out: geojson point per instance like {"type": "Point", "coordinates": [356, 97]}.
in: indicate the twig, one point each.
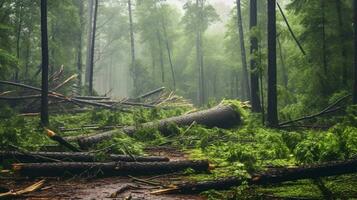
{"type": "Point", "coordinates": [145, 181]}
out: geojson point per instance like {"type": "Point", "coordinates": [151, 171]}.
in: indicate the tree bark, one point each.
{"type": "Point", "coordinates": [132, 48]}
{"type": "Point", "coordinates": [89, 40]}
{"type": "Point", "coordinates": [36, 157]}
{"type": "Point", "coordinates": [246, 87]}
{"type": "Point", "coordinates": [106, 169]}
{"type": "Point", "coordinates": [254, 71]}
{"type": "Point", "coordinates": [324, 49]}
{"type": "Point", "coordinates": [220, 116]}
{"type": "Point", "coordinates": [91, 70]}
{"type": "Point", "coordinates": [44, 48]}
{"type": "Point", "coordinates": [278, 176]}
{"type": "Point", "coordinates": [272, 118]}
{"type": "Point", "coordinates": [354, 90]}
{"type": "Point", "coordinates": [79, 48]}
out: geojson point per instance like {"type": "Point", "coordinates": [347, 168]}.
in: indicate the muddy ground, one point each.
{"type": "Point", "coordinates": [102, 188]}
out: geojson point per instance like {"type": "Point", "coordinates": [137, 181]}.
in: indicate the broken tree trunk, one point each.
{"type": "Point", "coordinates": [222, 116]}
{"type": "Point", "coordinates": [106, 169]}
{"type": "Point", "coordinates": [278, 176]}
{"type": "Point", "coordinates": [73, 157]}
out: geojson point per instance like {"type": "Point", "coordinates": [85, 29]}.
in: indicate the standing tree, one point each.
{"type": "Point", "coordinates": [89, 40]}
{"type": "Point", "coordinates": [44, 47]}
{"type": "Point", "coordinates": [242, 50]}
{"type": "Point", "coordinates": [254, 72]}
{"type": "Point", "coordinates": [199, 52]}
{"type": "Point", "coordinates": [355, 54]}
{"type": "Point", "coordinates": [272, 117]}
{"type": "Point", "coordinates": [94, 30]}
{"type": "Point", "coordinates": [79, 48]}
{"type": "Point", "coordinates": [132, 46]}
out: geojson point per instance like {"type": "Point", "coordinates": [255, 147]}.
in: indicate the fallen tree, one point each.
{"type": "Point", "coordinates": [222, 116]}
{"type": "Point", "coordinates": [73, 157]}
{"type": "Point", "coordinates": [106, 169]}
{"type": "Point", "coordinates": [272, 177]}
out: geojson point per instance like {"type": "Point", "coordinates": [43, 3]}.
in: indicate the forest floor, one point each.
{"type": "Point", "coordinates": [241, 151]}
{"type": "Point", "coordinates": [102, 188]}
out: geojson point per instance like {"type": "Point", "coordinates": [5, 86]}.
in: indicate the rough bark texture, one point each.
{"type": "Point", "coordinates": [355, 58]}
{"type": "Point", "coordinates": [246, 87]}
{"type": "Point", "coordinates": [254, 72]}
{"type": "Point", "coordinates": [272, 83]}
{"type": "Point", "coordinates": [278, 176]}
{"type": "Point", "coordinates": [73, 157]}
{"type": "Point", "coordinates": [44, 47]}
{"type": "Point", "coordinates": [106, 169]}
{"type": "Point", "coordinates": [220, 116]}
{"type": "Point", "coordinates": [91, 69]}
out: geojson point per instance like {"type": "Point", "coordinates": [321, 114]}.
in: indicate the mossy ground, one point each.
{"type": "Point", "coordinates": [239, 151]}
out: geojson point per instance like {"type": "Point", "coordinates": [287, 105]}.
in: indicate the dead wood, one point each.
{"type": "Point", "coordinates": [99, 169]}
{"type": "Point", "coordinates": [222, 116]}
{"type": "Point", "coordinates": [272, 177]}
{"type": "Point", "coordinates": [329, 109]}
{"type": "Point", "coordinates": [26, 157]}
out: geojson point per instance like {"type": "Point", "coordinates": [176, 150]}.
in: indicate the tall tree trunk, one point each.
{"type": "Point", "coordinates": [254, 72]}
{"type": "Point", "coordinates": [18, 39]}
{"type": "Point", "coordinates": [89, 40]}
{"type": "Point", "coordinates": [44, 47]}
{"type": "Point", "coordinates": [246, 87]}
{"type": "Point", "coordinates": [199, 52]}
{"type": "Point", "coordinates": [161, 56]}
{"type": "Point", "coordinates": [79, 48]}
{"type": "Point", "coordinates": [282, 61]}
{"type": "Point", "coordinates": [342, 43]}
{"type": "Point", "coordinates": [355, 54]}
{"type": "Point", "coordinates": [132, 46]}
{"type": "Point", "coordinates": [93, 48]}
{"type": "Point", "coordinates": [169, 55]}
{"type": "Point", "coordinates": [272, 119]}
{"type": "Point", "coordinates": [324, 52]}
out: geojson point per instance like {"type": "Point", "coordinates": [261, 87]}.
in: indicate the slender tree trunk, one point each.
{"type": "Point", "coordinates": [199, 52]}
{"type": "Point", "coordinates": [283, 69]}
{"type": "Point", "coordinates": [272, 83]}
{"type": "Point", "coordinates": [246, 87]}
{"type": "Point", "coordinates": [18, 39]}
{"type": "Point", "coordinates": [132, 45]}
{"type": "Point", "coordinates": [254, 74]}
{"type": "Point", "coordinates": [169, 55]}
{"type": "Point", "coordinates": [342, 43]}
{"type": "Point", "coordinates": [79, 48]}
{"type": "Point", "coordinates": [44, 47]}
{"type": "Point", "coordinates": [161, 56]}
{"type": "Point", "coordinates": [91, 71]}
{"type": "Point", "coordinates": [89, 40]}
{"type": "Point", "coordinates": [324, 56]}
{"type": "Point", "coordinates": [355, 54]}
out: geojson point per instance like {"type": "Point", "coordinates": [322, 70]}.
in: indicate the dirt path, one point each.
{"type": "Point", "coordinates": [102, 188]}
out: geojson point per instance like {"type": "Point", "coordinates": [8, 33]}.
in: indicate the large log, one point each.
{"type": "Point", "coordinates": [277, 176]}
{"type": "Point", "coordinates": [73, 157]}
{"type": "Point", "coordinates": [106, 169]}
{"type": "Point", "coordinates": [222, 116]}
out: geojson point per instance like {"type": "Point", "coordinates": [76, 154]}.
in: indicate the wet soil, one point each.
{"type": "Point", "coordinates": [102, 188]}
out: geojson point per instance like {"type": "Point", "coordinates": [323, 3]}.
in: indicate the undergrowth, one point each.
{"type": "Point", "coordinates": [241, 151]}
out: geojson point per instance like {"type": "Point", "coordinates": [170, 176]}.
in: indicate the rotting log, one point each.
{"type": "Point", "coordinates": [270, 177]}
{"type": "Point", "coordinates": [73, 157]}
{"type": "Point", "coordinates": [98, 169]}
{"type": "Point", "coordinates": [222, 116]}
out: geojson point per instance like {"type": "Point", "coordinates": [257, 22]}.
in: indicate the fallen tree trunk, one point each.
{"type": "Point", "coordinates": [222, 116]}
{"type": "Point", "coordinates": [278, 176]}
{"type": "Point", "coordinates": [106, 169]}
{"type": "Point", "coordinates": [92, 98]}
{"type": "Point", "coordinates": [73, 157]}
